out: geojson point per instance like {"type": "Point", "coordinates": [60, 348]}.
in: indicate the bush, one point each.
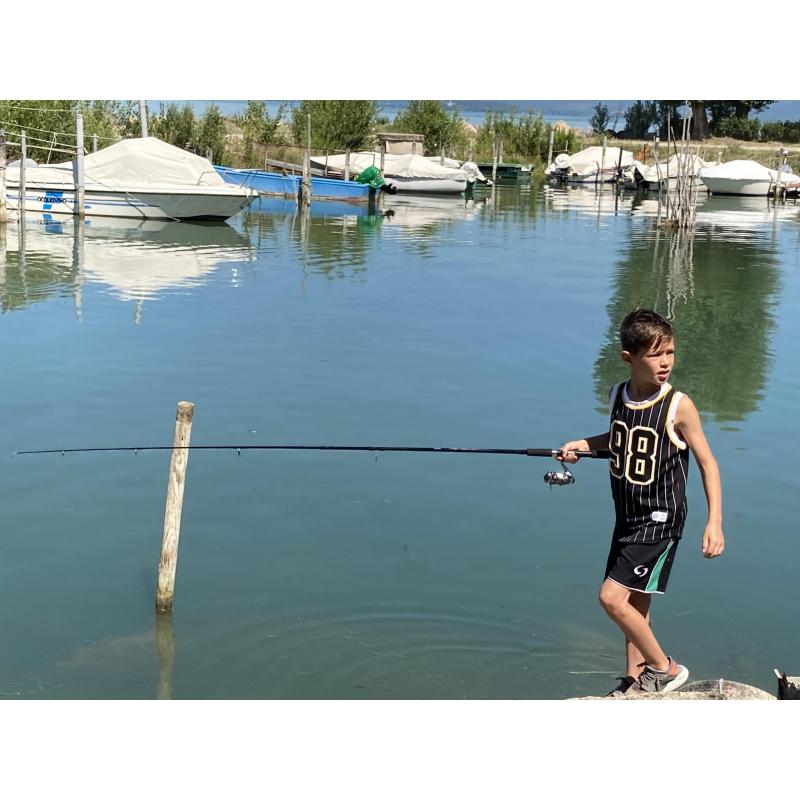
{"type": "Point", "coordinates": [786, 131]}
{"type": "Point", "coordinates": [743, 128]}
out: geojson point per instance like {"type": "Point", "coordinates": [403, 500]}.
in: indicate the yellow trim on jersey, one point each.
{"type": "Point", "coordinates": [639, 406]}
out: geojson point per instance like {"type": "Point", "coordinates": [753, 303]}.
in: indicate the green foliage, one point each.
{"type": "Point", "coordinates": [211, 134]}
{"type": "Point", "coordinates": [599, 120]}
{"type": "Point", "coordinates": [746, 129]}
{"type": "Point", "coordinates": [640, 117]}
{"type": "Point", "coordinates": [786, 131]}
{"type": "Point", "coordinates": [431, 119]}
{"type": "Point", "coordinates": [259, 128]}
{"type": "Point", "coordinates": [174, 125]}
{"type": "Point", "coordinates": [50, 125]}
{"type": "Point", "coordinates": [335, 124]}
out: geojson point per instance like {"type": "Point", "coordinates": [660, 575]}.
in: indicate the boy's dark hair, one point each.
{"type": "Point", "coordinates": [643, 329]}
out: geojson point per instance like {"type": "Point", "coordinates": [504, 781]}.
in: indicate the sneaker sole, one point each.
{"type": "Point", "coordinates": [678, 681]}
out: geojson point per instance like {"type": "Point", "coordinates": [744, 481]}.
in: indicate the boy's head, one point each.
{"type": "Point", "coordinates": [647, 345]}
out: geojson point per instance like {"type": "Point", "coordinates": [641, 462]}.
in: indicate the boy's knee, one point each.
{"type": "Point", "coordinates": [613, 598]}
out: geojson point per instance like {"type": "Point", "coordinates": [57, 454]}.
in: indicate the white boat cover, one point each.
{"type": "Point", "coordinates": [129, 163]}
{"type": "Point", "coordinates": [408, 166]}
{"type": "Point", "coordinates": [655, 173]}
{"type": "Point", "coordinates": [745, 170]}
{"type": "Point", "coordinates": [588, 161]}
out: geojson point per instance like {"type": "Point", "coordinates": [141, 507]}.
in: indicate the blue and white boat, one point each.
{"type": "Point", "coordinates": [274, 183]}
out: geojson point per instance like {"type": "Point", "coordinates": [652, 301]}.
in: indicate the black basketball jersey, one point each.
{"type": "Point", "coordinates": [648, 464]}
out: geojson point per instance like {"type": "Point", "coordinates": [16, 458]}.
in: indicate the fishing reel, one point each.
{"type": "Point", "coordinates": [565, 478]}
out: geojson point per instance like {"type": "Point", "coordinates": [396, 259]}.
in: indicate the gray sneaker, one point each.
{"type": "Point", "coordinates": [622, 687]}
{"type": "Point", "coordinates": [655, 681]}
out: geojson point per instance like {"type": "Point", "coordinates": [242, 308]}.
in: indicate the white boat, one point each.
{"type": "Point", "coordinates": [651, 178]}
{"type": "Point", "coordinates": [590, 165]}
{"type": "Point", "coordinates": [744, 177]}
{"type": "Point", "coordinates": [139, 178]}
{"type": "Point", "coordinates": [408, 174]}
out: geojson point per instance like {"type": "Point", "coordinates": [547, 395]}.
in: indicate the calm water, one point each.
{"type": "Point", "coordinates": [335, 575]}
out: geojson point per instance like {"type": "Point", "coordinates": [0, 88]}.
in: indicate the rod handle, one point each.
{"type": "Point", "coordinates": [533, 451]}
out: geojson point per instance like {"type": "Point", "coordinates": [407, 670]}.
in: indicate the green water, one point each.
{"type": "Point", "coordinates": [342, 575]}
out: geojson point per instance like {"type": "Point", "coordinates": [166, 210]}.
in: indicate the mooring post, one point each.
{"type": "Point", "coordinates": [22, 186]}
{"type": "Point", "coordinates": [94, 142]}
{"type": "Point", "coordinates": [603, 162]}
{"type": "Point", "coordinates": [172, 515]}
{"type": "Point", "coordinates": [80, 195]}
{"type": "Point", "coordinates": [143, 118]}
{"type": "Point", "coordinates": [305, 182]}
{"type": "Point", "coordinates": [3, 212]}
{"type": "Point", "coordinates": [494, 160]}
{"type": "Point", "coordinates": [165, 650]}
{"type": "Point", "coordinates": [383, 153]}
{"type": "Point", "coordinates": [441, 155]}
{"type": "Point", "coordinates": [778, 180]}
{"type": "Point", "coordinates": [347, 164]}
{"type": "Point", "coordinates": [550, 147]}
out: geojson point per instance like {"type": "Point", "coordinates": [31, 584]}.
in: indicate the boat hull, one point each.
{"type": "Point", "coordinates": [738, 186]}
{"type": "Point", "coordinates": [273, 183]}
{"type": "Point", "coordinates": [136, 203]}
{"type": "Point", "coordinates": [426, 185]}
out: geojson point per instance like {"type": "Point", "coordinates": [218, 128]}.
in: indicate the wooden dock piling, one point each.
{"type": "Point", "coordinates": [347, 164]}
{"type": "Point", "coordinates": [22, 185]}
{"type": "Point", "coordinates": [3, 211]}
{"type": "Point", "coordinates": [80, 193]}
{"type": "Point", "coordinates": [172, 515]}
{"type": "Point", "coordinates": [305, 181]}
{"type": "Point", "coordinates": [550, 147]}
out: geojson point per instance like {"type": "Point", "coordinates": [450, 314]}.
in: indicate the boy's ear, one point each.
{"type": "Point", "coordinates": [626, 356]}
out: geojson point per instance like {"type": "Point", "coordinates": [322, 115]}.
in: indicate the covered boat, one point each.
{"type": "Point", "coordinates": [590, 165]}
{"type": "Point", "coordinates": [744, 177]}
{"type": "Point", "coordinates": [139, 178]}
{"type": "Point", "coordinates": [651, 178]}
{"type": "Point", "coordinates": [407, 173]}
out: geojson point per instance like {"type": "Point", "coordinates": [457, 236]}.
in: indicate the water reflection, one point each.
{"type": "Point", "coordinates": [720, 290]}
{"type": "Point", "coordinates": [135, 260]}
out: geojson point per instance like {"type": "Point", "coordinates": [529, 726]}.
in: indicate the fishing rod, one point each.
{"type": "Point", "coordinates": [551, 478]}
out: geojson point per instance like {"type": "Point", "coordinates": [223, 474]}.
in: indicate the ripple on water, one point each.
{"type": "Point", "coordinates": [327, 651]}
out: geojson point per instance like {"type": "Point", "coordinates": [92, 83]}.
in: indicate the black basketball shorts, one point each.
{"type": "Point", "coordinates": [641, 567]}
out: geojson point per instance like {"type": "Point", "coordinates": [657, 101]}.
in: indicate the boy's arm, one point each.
{"type": "Point", "coordinates": [690, 429]}
{"type": "Point", "coordinates": [599, 442]}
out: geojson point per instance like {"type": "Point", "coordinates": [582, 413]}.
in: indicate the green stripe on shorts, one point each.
{"type": "Point", "coordinates": [652, 584]}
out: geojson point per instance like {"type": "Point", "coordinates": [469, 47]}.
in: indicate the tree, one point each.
{"type": "Point", "coordinates": [174, 125]}
{"type": "Point", "coordinates": [431, 119]}
{"type": "Point", "coordinates": [599, 121]}
{"type": "Point", "coordinates": [640, 117]}
{"type": "Point", "coordinates": [335, 124]}
{"type": "Point", "coordinates": [258, 127]}
{"type": "Point", "coordinates": [211, 134]}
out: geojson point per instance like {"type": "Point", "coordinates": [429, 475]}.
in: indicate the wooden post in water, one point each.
{"type": "Point", "coordinates": [94, 142]}
{"type": "Point", "coordinates": [165, 649]}
{"type": "Point", "coordinates": [143, 118]}
{"type": "Point", "coordinates": [383, 153]}
{"type": "Point", "coordinates": [3, 211]}
{"type": "Point", "coordinates": [347, 164]}
{"type": "Point", "coordinates": [778, 180]}
{"type": "Point", "coordinates": [80, 194]}
{"type": "Point", "coordinates": [494, 160]}
{"type": "Point", "coordinates": [550, 147]}
{"type": "Point", "coordinates": [22, 185]}
{"type": "Point", "coordinates": [603, 161]}
{"type": "Point", "coordinates": [305, 182]}
{"type": "Point", "coordinates": [172, 515]}
{"type": "Point", "coordinates": [441, 155]}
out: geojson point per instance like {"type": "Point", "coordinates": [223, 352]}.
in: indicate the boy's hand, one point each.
{"type": "Point", "coordinates": [570, 457]}
{"type": "Point", "coordinates": [713, 541]}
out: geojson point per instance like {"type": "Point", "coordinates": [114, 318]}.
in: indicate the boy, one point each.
{"type": "Point", "coordinates": [651, 427]}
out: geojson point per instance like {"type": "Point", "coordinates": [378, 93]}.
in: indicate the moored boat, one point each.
{"type": "Point", "coordinates": [591, 165]}
{"type": "Point", "coordinates": [744, 177]}
{"type": "Point", "coordinates": [138, 178]}
{"type": "Point", "coordinates": [274, 183]}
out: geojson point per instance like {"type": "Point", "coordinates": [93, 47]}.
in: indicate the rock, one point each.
{"type": "Point", "coordinates": [700, 690]}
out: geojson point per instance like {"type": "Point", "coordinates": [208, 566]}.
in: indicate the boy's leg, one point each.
{"type": "Point", "coordinates": [615, 600]}
{"type": "Point", "coordinates": [634, 659]}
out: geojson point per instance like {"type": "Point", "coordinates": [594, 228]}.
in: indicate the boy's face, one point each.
{"type": "Point", "coordinates": [653, 364]}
